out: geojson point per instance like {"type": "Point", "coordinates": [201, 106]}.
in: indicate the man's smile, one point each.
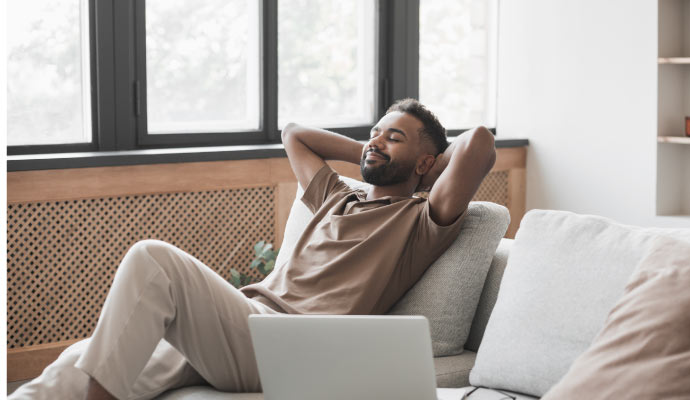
{"type": "Point", "coordinates": [374, 155]}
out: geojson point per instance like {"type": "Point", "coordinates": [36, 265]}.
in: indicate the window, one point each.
{"type": "Point", "coordinates": [101, 75]}
{"type": "Point", "coordinates": [48, 72]}
{"type": "Point", "coordinates": [326, 68]}
{"type": "Point", "coordinates": [457, 61]}
{"type": "Point", "coordinates": [202, 66]}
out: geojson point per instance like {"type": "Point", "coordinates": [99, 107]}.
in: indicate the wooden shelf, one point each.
{"type": "Point", "coordinates": [674, 60]}
{"type": "Point", "coordinates": [672, 107]}
{"type": "Point", "coordinates": [673, 139]}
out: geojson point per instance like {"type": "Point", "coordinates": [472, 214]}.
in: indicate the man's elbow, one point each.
{"type": "Point", "coordinates": [482, 141]}
{"type": "Point", "coordinates": [483, 135]}
{"type": "Point", "coordinates": [288, 129]}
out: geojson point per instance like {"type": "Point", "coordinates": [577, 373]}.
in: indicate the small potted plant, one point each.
{"type": "Point", "coordinates": [264, 261]}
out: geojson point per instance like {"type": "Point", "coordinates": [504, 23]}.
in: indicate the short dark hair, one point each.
{"type": "Point", "coordinates": [432, 128]}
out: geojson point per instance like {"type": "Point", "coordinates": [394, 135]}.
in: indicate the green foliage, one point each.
{"type": "Point", "coordinates": [264, 261]}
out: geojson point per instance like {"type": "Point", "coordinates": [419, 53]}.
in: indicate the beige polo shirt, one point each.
{"type": "Point", "coordinates": [356, 256]}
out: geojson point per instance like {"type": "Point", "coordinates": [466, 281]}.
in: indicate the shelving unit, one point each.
{"type": "Point", "coordinates": [674, 60]}
{"type": "Point", "coordinates": [673, 139]}
{"type": "Point", "coordinates": [673, 105]}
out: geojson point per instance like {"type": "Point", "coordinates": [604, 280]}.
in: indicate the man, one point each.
{"type": "Point", "coordinates": [360, 253]}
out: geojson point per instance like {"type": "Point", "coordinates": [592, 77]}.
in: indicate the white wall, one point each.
{"type": "Point", "coordinates": [578, 79]}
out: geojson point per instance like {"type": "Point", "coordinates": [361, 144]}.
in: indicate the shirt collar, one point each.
{"type": "Point", "coordinates": [362, 198]}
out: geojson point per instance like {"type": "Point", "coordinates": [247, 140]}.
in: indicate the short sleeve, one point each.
{"type": "Point", "coordinates": [430, 235]}
{"type": "Point", "coordinates": [324, 184]}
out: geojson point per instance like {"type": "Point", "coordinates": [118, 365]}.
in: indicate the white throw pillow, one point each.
{"type": "Point", "coordinates": [565, 272]}
{"type": "Point", "coordinates": [448, 292]}
{"type": "Point", "coordinates": [643, 352]}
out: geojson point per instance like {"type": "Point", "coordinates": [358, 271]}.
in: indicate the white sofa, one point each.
{"type": "Point", "coordinates": [563, 274]}
{"type": "Point", "coordinates": [523, 309]}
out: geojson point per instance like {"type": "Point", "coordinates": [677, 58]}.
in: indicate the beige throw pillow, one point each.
{"type": "Point", "coordinates": [643, 351]}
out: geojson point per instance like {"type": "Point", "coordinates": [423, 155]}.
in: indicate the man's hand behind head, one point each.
{"type": "Point", "coordinates": [430, 177]}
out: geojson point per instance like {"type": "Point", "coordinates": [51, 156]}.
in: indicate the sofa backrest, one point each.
{"type": "Point", "coordinates": [564, 274]}
{"type": "Point", "coordinates": [495, 274]}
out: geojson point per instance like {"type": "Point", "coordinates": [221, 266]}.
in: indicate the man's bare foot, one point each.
{"type": "Point", "coordinates": [96, 392]}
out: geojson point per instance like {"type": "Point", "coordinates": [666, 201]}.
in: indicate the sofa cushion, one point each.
{"type": "Point", "coordinates": [448, 292]}
{"type": "Point", "coordinates": [454, 371]}
{"type": "Point", "coordinates": [207, 393]}
{"type": "Point", "coordinates": [644, 349]}
{"type": "Point", "coordinates": [564, 274]}
{"type": "Point", "coordinates": [451, 372]}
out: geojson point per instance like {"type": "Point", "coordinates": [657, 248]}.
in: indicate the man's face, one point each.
{"type": "Point", "coordinates": [390, 156]}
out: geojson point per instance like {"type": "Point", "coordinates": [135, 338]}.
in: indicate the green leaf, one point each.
{"type": "Point", "coordinates": [255, 263]}
{"type": "Point", "coordinates": [235, 279]}
{"type": "Point", "coordinates": [269, 266]}
{"type": "Point", "coordinates": [258, 248]}
{"type": "Point", "coordinates": [268, 254]}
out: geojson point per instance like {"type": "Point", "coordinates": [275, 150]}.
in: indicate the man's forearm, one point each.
{"type": "Point", "coordinates": [328, 145]}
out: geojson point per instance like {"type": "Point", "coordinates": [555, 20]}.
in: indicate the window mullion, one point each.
{"type": "Point", "coordinates": [383, 51]}
{"type": "Point", "coordinates": [139, 80]}
{"type": "Point", "coordinates": [103, 70]}
{"type": "Point", "coordinates": [125, 72]}
{"type": "Point", "coordinates": [269, 43]}
{"type": "Point", "coordinates": [403, 50]}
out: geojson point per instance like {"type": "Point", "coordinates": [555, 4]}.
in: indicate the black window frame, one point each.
{"type": "Point", "coordinates": [118, 80]}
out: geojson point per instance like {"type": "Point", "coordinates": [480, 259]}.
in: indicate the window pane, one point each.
{"type": "Point", "coordinates": [326, 62]}
{"type": "Point", "coordinates": [48, 82]}
{"type": "Point", "coordinates": [457, 61]}
{"type": "Point", "coordinates": [202, 66]}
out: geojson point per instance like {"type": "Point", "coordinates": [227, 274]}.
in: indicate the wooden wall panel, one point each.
{"type": "Point", "coordinates": [27, 363]}
{"type": "Point", "coordinates": [511, 157]}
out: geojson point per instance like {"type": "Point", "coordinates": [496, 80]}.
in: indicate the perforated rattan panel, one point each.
{"type": "Point", "coordinates": [494, 188]}
{"type": "Point", "coordinates": [62, 255]}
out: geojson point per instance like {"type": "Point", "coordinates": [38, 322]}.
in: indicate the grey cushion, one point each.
{"type": "Point", "coordinates": [448, 292]}
{"type": "Point", "coordinates": [454, 371]}
{"type": "Point", "coordinates": [564, 274]}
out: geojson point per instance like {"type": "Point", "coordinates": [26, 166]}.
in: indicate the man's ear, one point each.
{"type": "Point", "coordinates": [424, 164]}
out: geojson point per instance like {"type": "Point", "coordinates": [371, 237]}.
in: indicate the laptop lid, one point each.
{"type": "Point", "coordinates": [317, 357]}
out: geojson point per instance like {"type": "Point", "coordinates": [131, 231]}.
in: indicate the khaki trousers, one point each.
{"type": "Point", "coordinates": [169, 321]}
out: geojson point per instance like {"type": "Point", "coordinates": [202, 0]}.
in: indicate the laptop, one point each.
{"type": "Point", "coordinates": [319, 357]}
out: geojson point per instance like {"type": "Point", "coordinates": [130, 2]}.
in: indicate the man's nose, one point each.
{"type": "Point", "coordinates": [376, 142]}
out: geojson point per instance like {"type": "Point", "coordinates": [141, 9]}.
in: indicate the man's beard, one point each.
{"type": "Point", "coordinates": [386, 174]}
